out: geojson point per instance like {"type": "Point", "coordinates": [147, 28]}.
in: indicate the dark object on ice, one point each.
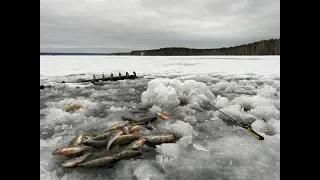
{"type": "Point", "coordinates": [119, 77]}
{"type": "Point", "coordinates": [49, 86]}
{"type": "Point", "coordinates": [132, 76]}
{"type": "Point", "coordinates": [244, 125]}
{"type": "Point", "coordinates": [144, 120]}
{"type": "Point", "coordinates": [103, 161]}
{"type": "Point", "coordinates": [111, 78]}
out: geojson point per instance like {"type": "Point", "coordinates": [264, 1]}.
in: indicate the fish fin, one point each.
{"type": "Point", "coordinates": [76, 164]}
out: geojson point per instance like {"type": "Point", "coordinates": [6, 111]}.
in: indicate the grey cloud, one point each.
{"type": "Point", "coordinates": [122, 25]}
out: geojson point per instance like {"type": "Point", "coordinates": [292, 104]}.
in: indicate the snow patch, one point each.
{"type": "Point", "coordinates": [171, 92]}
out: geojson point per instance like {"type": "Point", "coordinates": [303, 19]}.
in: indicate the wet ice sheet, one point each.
{"type": "Point", "coordinates": [208, 148]}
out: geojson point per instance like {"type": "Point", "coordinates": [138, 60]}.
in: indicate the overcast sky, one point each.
{"type": "Point", "coordinates": [126, 25]}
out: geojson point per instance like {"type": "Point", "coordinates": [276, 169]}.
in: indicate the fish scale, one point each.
{"type": "Point", "coordinates": [160, 139]}
{"type": "Point", "coordinates": [74, 162]}
{"type": "Point", "coordinates": [124, 139]}
{"type": "Point", "coordinates": [136, 144]}
{"type": "Point", "coordinates": [95, 143]}
{"type": "Point", "coordinates": [125, 130]}
{"type": "Point", "coordinates": [102, 136]}
{"type": "Point", "coordinates": [72, 150]}
{"type": "Point", "coordinates": [134, 128]}
{"type": "Point", "coordinates": [77, 140]}
{"type": "Point", "coordinates": [105, 161]}
{"type": "Point", "coordinates": [127, 154]}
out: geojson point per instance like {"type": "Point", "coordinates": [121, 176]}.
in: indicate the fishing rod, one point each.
{"type": "Point", "coordinates": [246, 126]}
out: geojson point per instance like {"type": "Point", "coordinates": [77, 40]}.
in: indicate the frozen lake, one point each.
{"type": "Point", "coordinates": [66, 65]}
{"type": "Point", "coordinates": [246, 88]}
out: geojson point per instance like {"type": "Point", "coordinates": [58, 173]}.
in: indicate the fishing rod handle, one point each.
{"type": "Point", "coordinates": [251, 131]}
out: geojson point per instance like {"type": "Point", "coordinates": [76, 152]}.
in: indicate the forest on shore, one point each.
{"type": "Point", "coordinates": [259, 48]}
{"type": "Point", "coordinates": [264, 47]}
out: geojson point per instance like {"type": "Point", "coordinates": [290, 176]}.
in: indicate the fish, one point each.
{"type": "Point", "coordinates": [111, 138]}
{"type": "Point", "coordinates": [138, 123]}
{"type": "Point", "coordinates": [140, 120]}
{"type": "Point", "coordinates": [80, 138]}
{"type": "Point", "coordinates": [117, 126]}
{"type": "Point", "coordinates": [104, 161]}
{"type": "Point", "coordinates": [72, 107]}
{"type": "Point", "coordinates": [125, 139]}
{"type": "Point", "coordinates": [74, 162]}
{"type": "Point", "coordinates": [77, 140]}
{"type": "Point", "coordinates": [137, 144]}
{"type": "Point", "coordinates": [125, 130]}
{"type": "Point", "coordinates": [134, 128]}
{"type": "Point", "coordinates": [128, 118]}
{"type": "Point", "coordinates": [162, 115]}
{"type": "Point", "coordinates": [159, 139]}
{"type": "Point", "coordinates": [72, 150]}
{"type": "Point", "coordinates": [89, 136]}
{"type": "Point", "coordinates": [95, 143]}
{"type": "Point", "coordinates": [102, 136]}
{"type": "Point", "coordinates": [146, 119]}
{"type": "Point", "coordinates": [127, 154]}
{"type": "Point", "coordinates": [116, 148]}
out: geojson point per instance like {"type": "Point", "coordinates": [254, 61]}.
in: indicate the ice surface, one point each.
{"type": "Point", "coordinates": [155, 108]}
{"type": "Point", "coordinates": [268, 92]}
{"type": "Point", "coordinates": [147, 171]}
{"type": "Point", "coordinates": [178, 128]}
{"type": "Point", "coordinates": [52, 65]}
{"type": "Point", "coordinates": [199, 147]}
{"type": "Point", "coordinates": [265, 112]}
{"type": "Point", "coordinates": [221, 102]}
{"type": "Point", "coordinates": [201, 78]}
{"type": "Point", "coordinates": [253, 102]}
{"type": "Point", "coordinates": [224, 86]}
{"type": "Point", "coordinates": [170, 93]}
{"type": "Point", "coordinates": [207, 145]}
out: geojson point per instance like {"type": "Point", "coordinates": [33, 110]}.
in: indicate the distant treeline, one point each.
{"type": "Point", "coordinates": [265, 47]}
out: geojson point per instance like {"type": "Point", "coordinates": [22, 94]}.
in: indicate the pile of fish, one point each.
{"type": "Point", "coordinates": [121, 141]}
